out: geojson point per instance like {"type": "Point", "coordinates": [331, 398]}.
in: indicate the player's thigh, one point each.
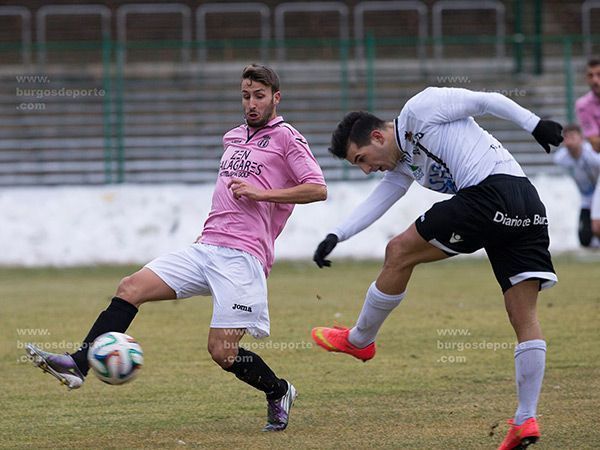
{"type": "Point", "coordinates": [524, 257]}
{"type": "Point", "coordinates": [410, 248]}
{"type": "Point", "coordinates": [517, 238]}
{"type": "Point", "coordinates": [183, 271]}
{"type": "Point", "coordinates": [453, 226]}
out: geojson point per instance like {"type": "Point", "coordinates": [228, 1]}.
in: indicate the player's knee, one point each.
{"type": "Point", "coordinates": [396, 253]}
{"type": "Point", "coordinates": [129, 291]}
{"type": "Point", "coordinates": [222, 354]}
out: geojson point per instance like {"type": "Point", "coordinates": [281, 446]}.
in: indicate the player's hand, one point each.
{"type": "Point", "coordinates": [548, 132]}
{"type": "Point", "coordinates": [241, 188]}
{"type": "Point", "coordinates": [324, 249]}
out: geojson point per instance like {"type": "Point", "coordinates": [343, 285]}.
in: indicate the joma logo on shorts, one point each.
{"type": "Point", "coordinates": [242, 307]}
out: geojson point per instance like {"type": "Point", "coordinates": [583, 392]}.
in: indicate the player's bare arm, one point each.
{"type": "Point", "coordinates": [303, 193]}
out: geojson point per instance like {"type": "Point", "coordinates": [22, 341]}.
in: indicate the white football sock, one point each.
{"type": "Point", "coordinates": [376, 308]}
{"type": "Point", "coordinates": [530, 360]}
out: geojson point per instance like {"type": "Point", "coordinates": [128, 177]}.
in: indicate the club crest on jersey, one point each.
{"type": "Point", "coordinates": [264, 141]}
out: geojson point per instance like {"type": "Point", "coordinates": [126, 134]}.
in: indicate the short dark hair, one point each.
{"type": "Point", "coordinates": [572, 127]}
{"type": "Point", "coordinates": [261, 74]}
{"type": "Point", "coordinates": [593, 62]}
{"type": "Point", "coordinates": [355, 127]}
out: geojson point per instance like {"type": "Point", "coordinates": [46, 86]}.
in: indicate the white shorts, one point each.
{"type": "Point", "coordinates": [234, 278]}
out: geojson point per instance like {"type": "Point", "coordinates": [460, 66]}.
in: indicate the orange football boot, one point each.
{"type": "Point", "coordinates": [521, 436]}
{"type": "Point", "coordinates": [336, 340]}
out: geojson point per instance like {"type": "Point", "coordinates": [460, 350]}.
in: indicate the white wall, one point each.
{"type": "Point", "coordinates": [66, 226]}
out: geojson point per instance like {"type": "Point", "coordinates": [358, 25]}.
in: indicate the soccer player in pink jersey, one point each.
{"type": "Point", "coordinates": [587, 107]}
{"type": "Point", "coordinates": [266, 168]}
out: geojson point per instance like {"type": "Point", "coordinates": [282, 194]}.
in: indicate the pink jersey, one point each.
{"type": "Point", "coordinates": [275, 156]}
{"type": "Point", "coordinates": [588, 114]}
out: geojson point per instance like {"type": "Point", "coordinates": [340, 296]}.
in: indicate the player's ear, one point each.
{"type": "Point", "coordinates": [276, 98]}
{"type": "Point", "coordinates": [377, 136]}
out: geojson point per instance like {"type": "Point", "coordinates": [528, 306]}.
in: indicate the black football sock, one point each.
{"type": "Point", "coordinates": [117, 317]}
{"type": "Point", "coordinates": [251, 369]}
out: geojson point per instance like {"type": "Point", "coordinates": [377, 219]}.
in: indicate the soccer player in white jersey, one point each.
{"type": "Point", "coordinates": [266, 168]}
{"type": "Point", "coordinates": [578, 157]}
{"type": "Point", "coordinates": [436, 142]}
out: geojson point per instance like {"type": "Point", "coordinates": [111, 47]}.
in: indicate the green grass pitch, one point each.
{"type": "Point", "coordinates": [443, 376]}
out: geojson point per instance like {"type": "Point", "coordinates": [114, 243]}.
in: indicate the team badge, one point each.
{"type": "Point", "coordinates": [264, 141]}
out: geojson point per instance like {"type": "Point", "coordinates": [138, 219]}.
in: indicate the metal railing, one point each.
{"type": "Point", "coordinates": [307, 7]}
{"type": "Point", "coordinates": [68, 10]}
{"type": "Point", "coordinates": [586, 24]}
{"type": "Point", "coordinates": [468, 5]}
{"type": "Point", "coordinates": [25, 15]}
{"type": "Point", "coordinates": [229, 8]}
{"type": "Point", "coordinates": [156, 8]}
{"type": "Point", "coordinates": [369, 6]}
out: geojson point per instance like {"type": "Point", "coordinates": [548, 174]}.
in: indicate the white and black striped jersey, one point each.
{"type": "Point", "coordinates": [443, 148]}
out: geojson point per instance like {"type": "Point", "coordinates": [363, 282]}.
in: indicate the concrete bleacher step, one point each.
{"type": "Point", "coordinates": [174, 118]}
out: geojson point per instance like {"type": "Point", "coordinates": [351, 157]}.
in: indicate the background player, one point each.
{"type": "Point", "coordinates": [436, 142]}
{"type": "Point", "coordinates": [587, 107]}
{"type": "Point", "coordinates": [583, 164]}
{"type": "Point", "coordinates": [266, 167]}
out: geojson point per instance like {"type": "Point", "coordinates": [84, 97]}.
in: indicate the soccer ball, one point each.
{"type": "Point", "coordinates": [115, 358]}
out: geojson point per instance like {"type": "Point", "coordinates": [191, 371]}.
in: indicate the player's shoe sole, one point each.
{"type": "Point", "coordinates": [66, 375]}
{"type": "Point", "coordinates": [336, 340]}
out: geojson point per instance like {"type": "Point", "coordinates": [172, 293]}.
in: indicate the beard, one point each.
{"type": "Point", "coordinates": [263, 119]}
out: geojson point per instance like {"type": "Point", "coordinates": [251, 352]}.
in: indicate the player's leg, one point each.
{"type": "Point", "coordinates": [247, 366]}
{"type": "Point", "coordinates": [523, 266]}
{"type": "Point", "coordinates": [132, 291]}
{"type": "Point", "coordinates": [446, 229]}
{"type": "Point", "coordinates": [402, 254]}
{"type": "Point", "coordinates": [585, 228]}
{"type": "Point", "coordinates": [238, 285]}
{"type": "Point", "coordinates": [530, 361]}
{"type": "Point", "coordinates": [159, 280]}
{"type": "Point", "coordinates": [71, 369]}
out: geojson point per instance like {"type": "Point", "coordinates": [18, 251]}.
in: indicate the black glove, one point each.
{"type": "Point", "coordinates": [324, 249]}
{"type": "Point", "coordinates": [548, 132]}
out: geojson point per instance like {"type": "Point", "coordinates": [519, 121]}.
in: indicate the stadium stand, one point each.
{"type": "Point", "coordinates": [161, 119]}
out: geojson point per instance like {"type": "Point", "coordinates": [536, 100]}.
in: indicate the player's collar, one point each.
{"type": "Point", "coordinates": [397, 135]}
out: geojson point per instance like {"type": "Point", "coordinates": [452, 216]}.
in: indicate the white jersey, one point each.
{"type": "Point", "coordinates": [442, 148]}
{"type": "Point", "coordinates": [584, 170]}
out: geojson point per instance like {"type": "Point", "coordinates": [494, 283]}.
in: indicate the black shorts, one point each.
{"type": "Point", "coordinates": [504, 215]}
